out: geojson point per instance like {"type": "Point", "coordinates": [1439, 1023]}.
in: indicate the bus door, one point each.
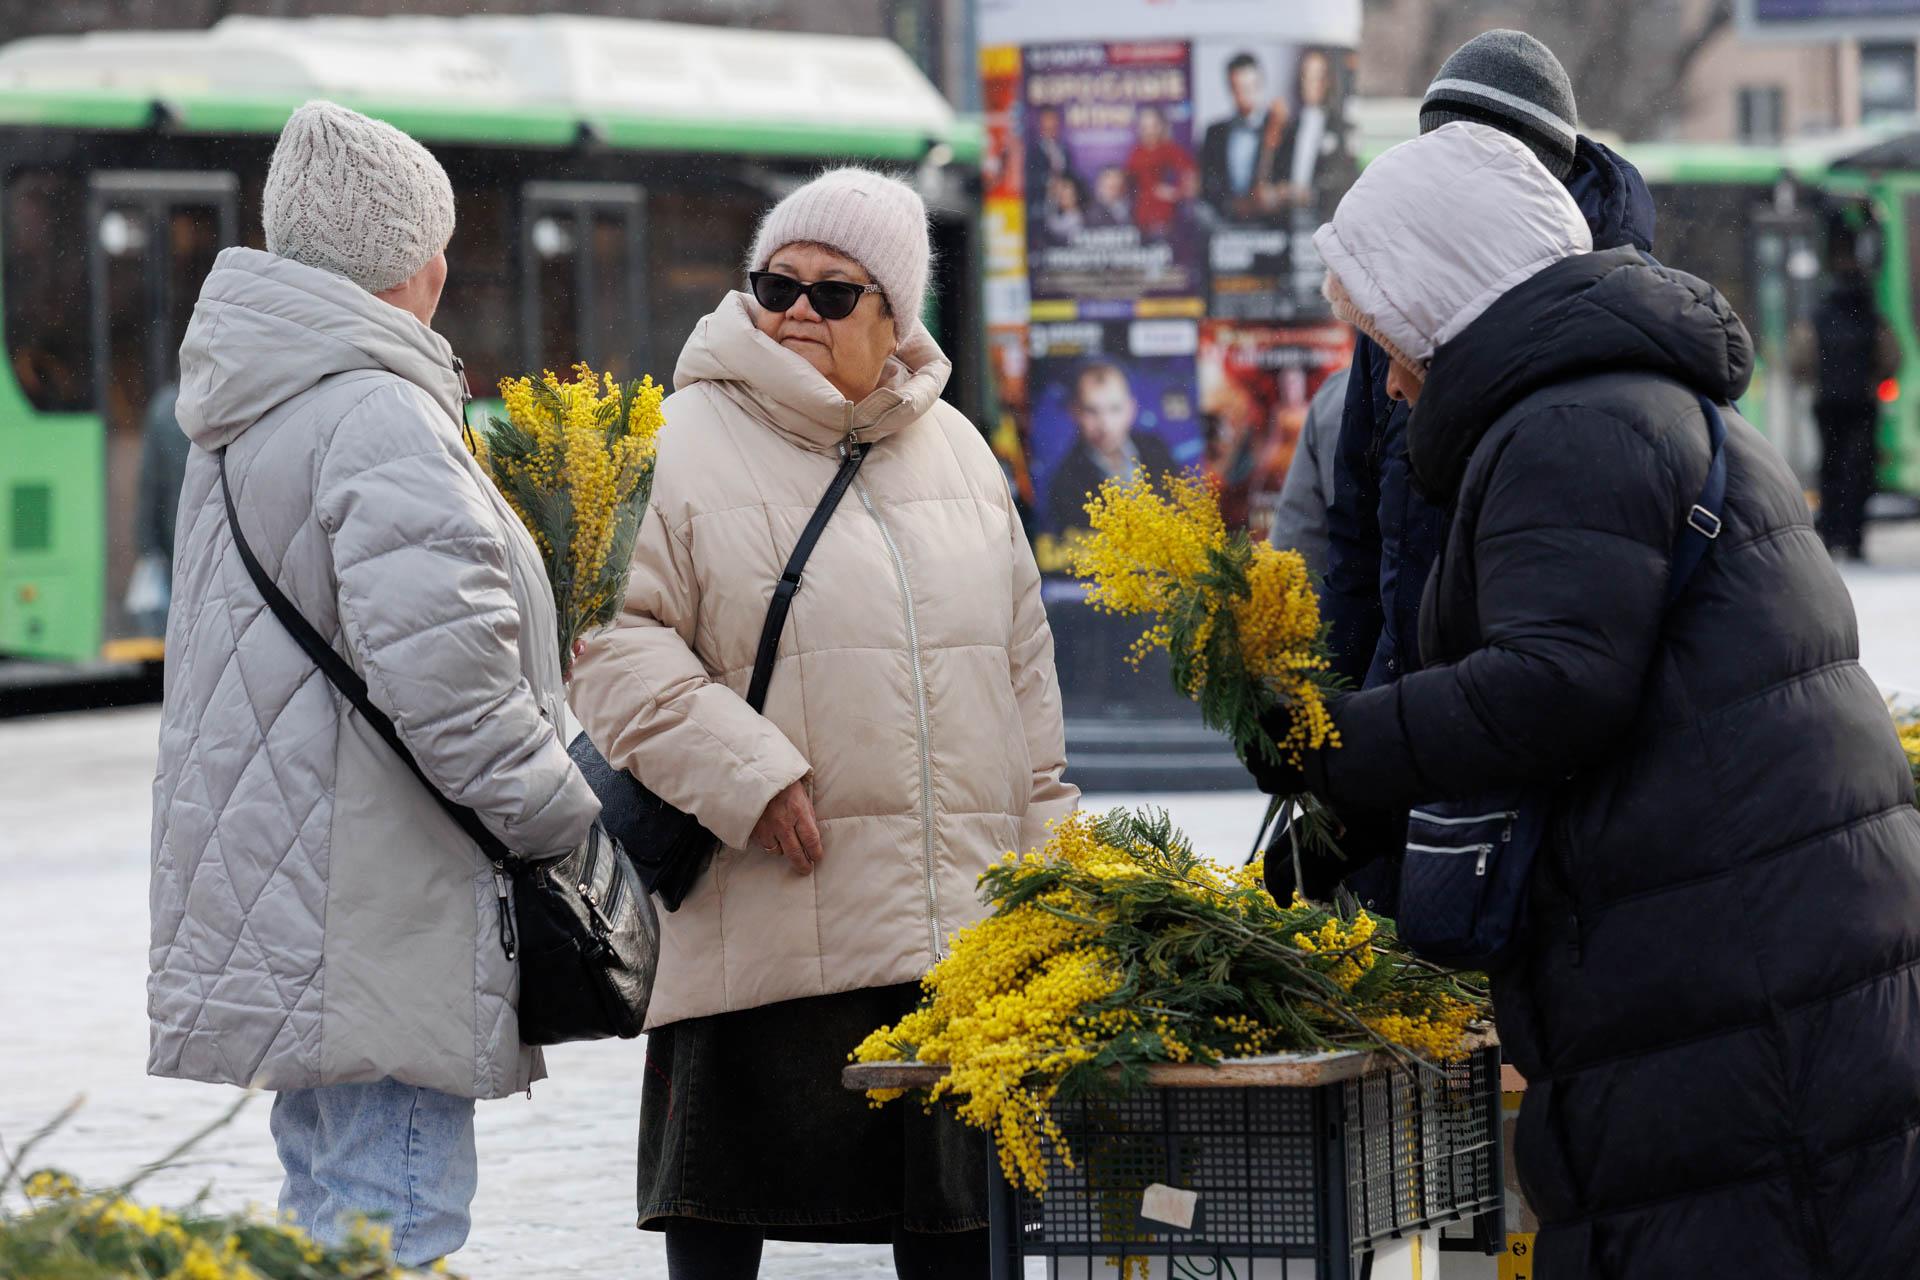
{"type": "Point", "coordinates": [1786, 273]}
{"type": "Point", "coordinates": [154, 238]}
{"type": "Point", "coordinates": [582, 254]}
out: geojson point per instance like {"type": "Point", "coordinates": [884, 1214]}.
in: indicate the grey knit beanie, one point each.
{"type": "Point", "coordinates": [879, 222]}
{"type": "Point", "coordinates": [1511, 81]}
{"type": "Point", "coordinates": [355, 196]}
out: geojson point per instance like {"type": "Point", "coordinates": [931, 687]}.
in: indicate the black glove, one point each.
{"type": "Point", "coordinates": [1287, 778]}
{"type": "Point", "coordinates": [1283, 779]}
{"type": "Point", "coordinates": [1362, 837]}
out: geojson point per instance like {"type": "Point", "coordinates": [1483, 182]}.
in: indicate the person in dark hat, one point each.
{"type": "Point", "coordinates": [1383, 532]}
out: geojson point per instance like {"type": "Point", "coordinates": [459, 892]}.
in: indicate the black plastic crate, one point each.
{"type": "Point", "coordinates": [1287, 1181]}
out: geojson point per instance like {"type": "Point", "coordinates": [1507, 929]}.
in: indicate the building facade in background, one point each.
{"type": "Point", "coordinates": [1677, 70]}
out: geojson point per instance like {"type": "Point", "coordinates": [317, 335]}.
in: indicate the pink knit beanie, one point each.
{"type": "Point", "coordinates": [879, 222]}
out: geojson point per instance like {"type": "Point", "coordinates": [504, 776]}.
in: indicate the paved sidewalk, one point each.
{"type": "Point", "coordinates": [556, 1187]}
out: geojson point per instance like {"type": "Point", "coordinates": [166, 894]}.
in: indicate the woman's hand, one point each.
{"type": "Point", "coordinates": [788, 829]}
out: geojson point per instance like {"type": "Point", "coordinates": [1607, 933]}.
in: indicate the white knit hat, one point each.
{"type": "Point", "coordinates": [355, 196]}
{"type": "Point", "coordinates": [879, 222]}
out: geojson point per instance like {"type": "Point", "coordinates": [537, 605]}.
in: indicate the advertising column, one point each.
{"type": "Point", "coordinates": [1157, 169]}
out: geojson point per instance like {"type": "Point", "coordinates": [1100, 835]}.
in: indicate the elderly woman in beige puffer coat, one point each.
{"type": "Point", "coordinates": [912, 734]}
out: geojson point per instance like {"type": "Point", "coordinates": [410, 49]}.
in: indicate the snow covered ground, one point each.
{"type": "Point", "coordinates": [557, 1172]}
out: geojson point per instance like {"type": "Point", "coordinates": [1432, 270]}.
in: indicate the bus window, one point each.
{"type": "Point", "coordinates": [612, 285]}
{"type": "Point", "coordinates": [1909, 226]}
{"type": "Point", "coordinates": [476, 309]}
{"type": "Point", "coordinates": [1702, 229]}
{"type": "Point", "coordinates": [699, 237]}
{"type": "Point", "coordinates": [154, 238]}
{"type": "Point", "coordinates": [556, 269]}
{"type": "Point", "coordinates": [584, 300]}
{"type": "Point", "coordinates": [45, 286]}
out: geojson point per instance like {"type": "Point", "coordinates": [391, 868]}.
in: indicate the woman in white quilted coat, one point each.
{"type": "Point", "coordinates": [320, 927]}
{"type": "Point", "coordinates": [912, 734]}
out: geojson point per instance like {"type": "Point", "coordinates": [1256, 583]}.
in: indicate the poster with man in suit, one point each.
{"type": "Point", "coordinates": [1274, 160]}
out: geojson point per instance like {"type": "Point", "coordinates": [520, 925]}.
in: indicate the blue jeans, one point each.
{"type": "Point", "coordinates": [399, 1156]}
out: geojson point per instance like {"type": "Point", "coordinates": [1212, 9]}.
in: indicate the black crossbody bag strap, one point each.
{"type": "Point", "coordinates": [1703, 522]}
{"type": "Point", "coordinates": [347, 680]}
{"type": "Point", "coordinates": [783, 591]}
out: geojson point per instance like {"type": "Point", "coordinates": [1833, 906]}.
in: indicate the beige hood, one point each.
{"type": "Point", "coordinates": [784, 392]}
{"type": "Point", "coordinates": [914, 689]}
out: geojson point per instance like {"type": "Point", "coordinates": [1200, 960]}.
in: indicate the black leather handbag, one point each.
{"type": "Point", "coordinates": [669, 847]}
{"type": "Point", "coordinates": [587, 940]}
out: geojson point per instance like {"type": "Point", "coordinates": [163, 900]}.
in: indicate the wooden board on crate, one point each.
{"type": "Point", "coordinates": [1285, 1070]}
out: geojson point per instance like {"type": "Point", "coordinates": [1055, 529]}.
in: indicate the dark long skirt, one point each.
{"type": "Point", "coordinates": [743, 1120]}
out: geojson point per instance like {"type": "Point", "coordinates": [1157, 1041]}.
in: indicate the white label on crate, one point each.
{"type": "Point", "coordinates": [1034, 1269]}
{"type": "Point", "coordinates": [1170, 1205]}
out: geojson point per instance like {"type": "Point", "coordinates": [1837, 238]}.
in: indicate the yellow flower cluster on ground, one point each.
{"type": "Point", "coordinates": [66, 1232]}
{"type": "Point", "coordinates": [574, 459]}
{"type": "Point", "coordinates": [1116, 946]}
{"type": "Point", "coordinates": [1240, 622]}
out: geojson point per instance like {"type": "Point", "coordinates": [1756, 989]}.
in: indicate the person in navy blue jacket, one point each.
{"type": "Point", "coordinates": [1383, 533]}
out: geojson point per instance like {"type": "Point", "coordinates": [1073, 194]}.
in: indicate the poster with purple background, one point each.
{"type": "Point", "coordinates": [1108, 398]}
{"type": "Point", "coordinates": [1112, 185]}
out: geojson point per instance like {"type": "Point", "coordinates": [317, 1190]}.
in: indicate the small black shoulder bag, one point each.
{"type": "Point", "coordinates": [668, 846]}
{"type": "Point", "coordinates": [587, 941]}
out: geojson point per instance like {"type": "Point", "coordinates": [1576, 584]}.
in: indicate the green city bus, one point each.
{"type": "Point", "coordinates": [1754, 220]}
{"type": "Point", "coordinates": [608, 177]}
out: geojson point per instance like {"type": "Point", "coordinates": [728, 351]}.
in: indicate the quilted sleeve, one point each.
{"type": "Point", "coordinates": [1036, 690]}
{"type": "Point", "coordinates": [647, 701]}
{"type": "Point", "coordinates": [1571, 558]}
{"type": "Point", "coordinates": [430, 621]}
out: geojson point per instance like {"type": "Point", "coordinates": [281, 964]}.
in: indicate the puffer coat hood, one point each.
{"type": "Point", "coordinates": [253, 303]}
{"type": "Point", "coordinates": [317, 919]}
{"type": "Point", "coordinates": [1382, 534]}
{"type": "Point", "coordinates": [914, 688]}
{"type": "Point", "coordinates": [1600, 312]}
{"type": "Point", "coordinates": [1612, 196]}
{"type": "Point", "coordinates": [1417, 280]}
{"type": "Point", "coordinates": [1717, 1002]}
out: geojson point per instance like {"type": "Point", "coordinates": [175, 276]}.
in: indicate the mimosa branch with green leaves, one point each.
{"type": "Point", "coordinates": [575, 460]}
{"type": "Point", "coordinates": [1239, 619]}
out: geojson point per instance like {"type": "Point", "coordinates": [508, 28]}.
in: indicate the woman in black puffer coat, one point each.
{"type": "Point", "coordinates": [1717, 1007]}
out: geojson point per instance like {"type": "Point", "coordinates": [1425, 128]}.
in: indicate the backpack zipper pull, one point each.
{"type": "Point", "coordinates": [1480, 866]}
{"type": "Point", "coordinates": [508, 943]}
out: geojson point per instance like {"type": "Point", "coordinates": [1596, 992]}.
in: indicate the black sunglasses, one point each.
{"type": "Point", "coordinates": [833, 299]}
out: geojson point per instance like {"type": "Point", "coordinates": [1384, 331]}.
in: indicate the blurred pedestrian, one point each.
{"type": "Point", "coordinates": [163, 467]}
{"type": "Point", "coordinates": [1853, 352]}
{"type": "Point", "coordinates": [1300, 522]}
{"type": "Point", "coordinates": [1383, 531]}
{"type": "Point", "coordinates": [912, 733]}
{"type": "Point", "coordinates": [320, 927]}
{"type": "Point", "coordinates": [1714, 1004]}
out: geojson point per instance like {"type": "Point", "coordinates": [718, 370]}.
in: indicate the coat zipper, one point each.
{"type": "Point", "coordinates": [503, 901]}
{"type": "Point", "coordinates": [1483, 852]}
{"type": "Point", "coordinates": [919, 699]}
{"type": "Point", "coordinates": [1439, 821]}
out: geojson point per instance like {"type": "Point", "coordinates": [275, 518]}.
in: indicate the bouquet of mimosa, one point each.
{"type": "Point", "coordinates": [574, 460]}
{"type": "Point", "coordinates": [1239, 619]}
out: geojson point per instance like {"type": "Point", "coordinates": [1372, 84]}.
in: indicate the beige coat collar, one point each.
{"type": "Point", "coordinates": [788, 395]}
